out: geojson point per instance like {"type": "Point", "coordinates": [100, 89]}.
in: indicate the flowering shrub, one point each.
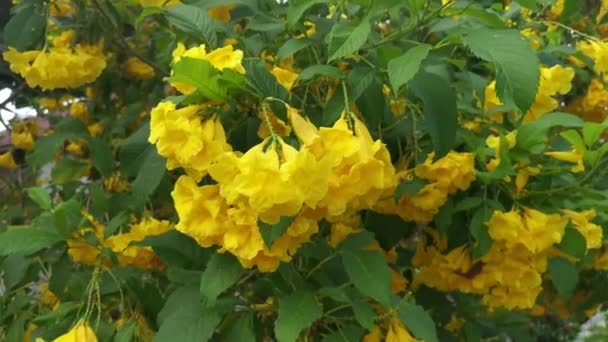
{"type": "Point", "coordinates": [304, 171]}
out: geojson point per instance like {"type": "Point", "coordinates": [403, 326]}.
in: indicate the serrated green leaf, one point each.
{"type": "Point", "coordinates": [40, 196]}
{"type": "Point", "coordinates": [518, 67]}
{"type": "Point", "coordinates": [409, 187]}
{"type": "Point", "coordinates": [573, 243]}
{"type": "Point", "coordinates": [403, 68]}
{"type": "Point", "coordinates": [271, 232]}
{"type": "Point", "coordinates": [564, 276]}
{"type": "Point", "coordinates": [25, 30]}
{"type": "Point", "coordinates": [364, 314]}
{"type": "Point", "coordinates": [223, 270]}
{"type": "Point", "coordinates": [439, 109]}
{"type": "Point", "coordinates": [369, 273]}
{"type": "Point", "coordinates": [320, 70]}
{"type": "Point", "coordinates": [353, 42]}
{"type": "Point", "coordinates": [101, 156]}
{"type": "Point", "coordinates": [296, 312]}
{"type": "Point", "coordinates": [27, 240]}
{"type": "Point", "coordinates": [201, 74]}
{"type": "Point", "coordinates": [193, 20]}
{"type": "Point", "coordinates": [292, 46]}
{"type": "Point", "coordinates": [241, 330]}
{"type": "Point", "coordinates": [419, 322]}
{"type": "Point", "coordinates": [297, 9]}
{"type": "Point", "coordinates": [150, 173]}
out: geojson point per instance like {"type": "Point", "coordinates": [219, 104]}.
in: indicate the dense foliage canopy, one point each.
{"type": "Point", "coordinates": [312, 170]}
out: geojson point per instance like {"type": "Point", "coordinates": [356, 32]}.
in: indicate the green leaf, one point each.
{"type": "Point", "coordinates": [67, 216]}
{"type": "Point", "coordinates": [409, 187]}
{"type": "Point", "coordinates": [323, 70]}
{"type": "Point", "coordinates": [403, 68]}
{"type": "Point", "coordinates": [115, 223]}
{"type": "Point", "coordinates": [101, 156]}
{"type": "Point", "coordinates": [296, 312]}
{"type": "Point", "coordinates": [68, 170]}
{"type": "Point", "coordinates": [573, 243]}
{"type": "Point", "coordinates": [419, 322]}
{"type": "Point", "coordinates": [44, 150]}
{"type": "Point", "coordinates": [479, 231]}
{"type": "Point", "coordinates": [265, 85]}
{"type": "Point", "coordinates": [184, 318]}
{"type": "Point", "coordinates": [126, 332]}
{"type": "Point", "coordinates": [292, 46]}
{"type": "Point", "coordinates": [40, 196]}
{"type": "Point", "coordinates": [271, 232]}
{"type": "Point", "coordinates": [223, 271]}
{"type": "Point", "coordinates": [193, 20]}
{"type": "Point", "coordinates": [563, 275]}
{"type": "Point", "coordinates": [27, 240]}
{"type": "Point", "coordinates": [61, 311]}
{"type": "Point", "coordinates": [531, 136]}
{"type": "Point", "coordinates": [14, 268]}
{"type": "Point", "coordinates": [340, 47]}
{"type": "Point", "coordinates": [201, 74]}
{"type": "Point", "coordinates": [369, 273]}
{"type": "Point", "coordinates": [132, 151]}
{"type": "Point", "coordinates": [468, 203]}
{"type": "Point", "coordinates": [364, 314]}
{"type": "Point", "coordinates": [25, 30]}
{"type": "Point", "coordinates": [517, 66]}
{"type": "Point", "coordinates": [592, 132]}
{"type": "Point", "coordinates": [297, 9]}
{"type": "Point", "coordinates": [574, 138]}
{"type": "Point", "coordinates": [357, 241]}
{"type": "Point", "coordinates": [439, 110]}
{"type": "Point", "coordinates": [241, 330]}
{"type": "Point", "coordinates": [150, 174]}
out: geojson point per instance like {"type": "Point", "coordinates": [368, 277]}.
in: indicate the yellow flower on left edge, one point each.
{"type": "Point", "coordinates": [61, 66]}
{"type": "Point", "coordinates": [7, 161]}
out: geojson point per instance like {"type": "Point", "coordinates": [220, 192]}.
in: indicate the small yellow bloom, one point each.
{"type": "Point", "coordinates": [23, 140]}
{"type": "Point", "coordinates": [311, 30]}
{"type": "Point", "coordinates": [591, 231]}
{"type": "Point", "coordinates": [285, 77]}
{"type": "Point", "coordinates": [573, 156]}
{"type": "Point", "coordinates": [7, 161]}
{"type": "Point", "coordinates": [220, 13]}
{"type": "Point", "coordinates": [138, 69]}
{"type": "Point", "coordinates": [80, 111]}
{"type": "Point", "coordinates": [82, 332]}
{"type": "Point", "coordinates": [95, 129]}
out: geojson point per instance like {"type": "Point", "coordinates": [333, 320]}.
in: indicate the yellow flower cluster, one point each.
{"type": "Point", "coordinates": [510, 274]}
{"type": "Point", "coordinates": [62, 66]}
{"type": "Point", "coordinates": [448, 175]}
{"type": "Point", "coordinates": [556, 80]}
{"type": "Point", "coordinates": [337, 170]}
{"type": "Point", "coordinates": [592, 105]}
{"type": "Point", "coordinates": [186, 138]}
{"type": "Point", "coordinates": [23, 134]}
{"type": "Point", "coordinates": [120, 244]}
{"type": "Point", "coordinates": [598, 51]}
{"type": "Point", "coordinates": [222, 58]}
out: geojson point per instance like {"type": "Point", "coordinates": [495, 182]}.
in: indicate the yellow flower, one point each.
{"type": "Point", "coordinates": [285, 77]}
{"type": "Point", "coordinates": [7, 161]}
{"type": "Point", "coordinates": [138, 69]}
{"type": "Point", "coordinates": [523, 174]}
{"type": "Point", "coordinates": [23, 140]}
{"type": "Point", "coordinates": [455, 171]}
{"type": "Point", "coordinates": [573, 156]}
{"type": "Point", "coordinates": [279, 126]}
{"type": "Point", "coordinates": [115, 183]}
{"type": "Point", "coordinates": [82, 332]}
{"type": "Point", "coordinates": [220, 13]}
{"type": "Point", "coordinates": [76, 147]}
{"type": "Point", "coordinates": [591, 231]}
{"type": "Point", "coordinates": [184, 140]}
{"type": "Point", "coordinates": [493, 142]}
{"type": "Point", "coordinates": [398, 333]}
{"type": "Point", "coordinates": [159, 3]}
{"type": "Point", "coordinates": [47, 297]}
{"type": "Point", "coordinates": [58, 67]}
{"type": "Point", "coordinates": [48, 103]}
{"type": "Point", "coordinates": [311, 30]}
{"type": "Point", "coordinates": [60, 8]}
{"type": "Point", "coordinates": [598, 51]}
{"type": "Point", "coordinates": [80, 111]}
{"type": "Point", "coordinates": [95, 129]}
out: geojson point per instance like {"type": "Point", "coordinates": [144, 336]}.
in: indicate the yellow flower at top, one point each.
{"type": "Point", "coordinates": [7, 161]}
{"type": "Point", "coordinates": [138, 69]}
{"type": "Point", "coordinates": [222, 58]}
{"type": "Point", "coordinates": [592, 232]}
{"type": "Point", "coordinates": [82, 332]}
{"type": "Point", "coordinates": [61, 66]}
{"type": "Point", "coordinates": [159, 3]}
{"type": "Point", "coordinates": [285, 77]}
{"type": "Point", "coordinates": [598, 51]}
{"type": "Point", "coordinates": [220, 13]}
